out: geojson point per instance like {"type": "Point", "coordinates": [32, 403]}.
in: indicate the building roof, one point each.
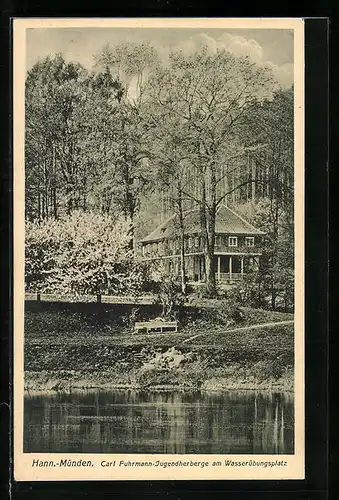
{"type": "Point", "coordinates": [227, 222]}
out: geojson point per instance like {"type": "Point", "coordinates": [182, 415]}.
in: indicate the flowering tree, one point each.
{"type": "Point", "coordinates": [83, 253]}
{"type": "Point", "coordinates": [40, 253]}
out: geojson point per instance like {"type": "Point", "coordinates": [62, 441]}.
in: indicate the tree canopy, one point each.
{"type": "Point", "coordinates": [193, 131]}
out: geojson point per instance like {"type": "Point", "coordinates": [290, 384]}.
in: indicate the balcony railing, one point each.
{"type": "Point", "coordinates": [243, 249]}
{"type": "Point", "coordinates": [229, 276]}
{"type": "Point", "coordinates": [193, 245]}
{"type": "Point", "coordinates": [222, 249]}
{"type": "Point", "coordinates": [222, 278]}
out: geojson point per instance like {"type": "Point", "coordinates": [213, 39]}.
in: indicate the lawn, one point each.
{"type": "Point", "coordinates": [95, 341]}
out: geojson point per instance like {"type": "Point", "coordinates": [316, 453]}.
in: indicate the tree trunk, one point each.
{"type": "Point", "coordinates": [273, 296]}
{"type": "Point", "coordinates": [183, 265]}
{"type": "Point", "coordinates": [99, 298]}
{"type": "Point", "coordinates": [209, 275]}
{"type": "Point", "coordinates": [207, 220]}
{"type": "Point", "coordinates": [248, 177]}
{"type": "Point", "coordinates": [259, 294]}
{"type": "Point", "coordinates": [55, 209]}
{"type": "Point", "coordinates": [39, 202]}
{"type": "Point", "coordinates": [54, 195]}
{"type": "Point", "coordinates": [131, 235]}
{"type": "Point", "coordinates": [182, 242]}
{"type": "Point", "coordinates": [253, 180]}
{"type": "Point", "coordinates": [130, 203]}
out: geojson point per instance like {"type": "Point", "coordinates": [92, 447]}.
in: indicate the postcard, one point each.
{"type": "Point", "coordinates": [158, 249]}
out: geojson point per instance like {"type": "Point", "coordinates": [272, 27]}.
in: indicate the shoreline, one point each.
{"type": "Point", "coordinates": [43, 382]}
{"type": "Point", "coordinates": [70, 349]}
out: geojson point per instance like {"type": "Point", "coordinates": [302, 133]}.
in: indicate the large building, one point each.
{"type": "Point", "coordinates": [237, 246]}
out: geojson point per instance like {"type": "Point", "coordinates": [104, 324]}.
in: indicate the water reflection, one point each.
{"type": "Point", "coordinates": [159, 422]}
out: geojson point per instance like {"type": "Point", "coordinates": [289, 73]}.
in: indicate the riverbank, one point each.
{"type": "Point", "coordinates": [70, 347]}
{"type": "Point", "coordinates": [36, 382]}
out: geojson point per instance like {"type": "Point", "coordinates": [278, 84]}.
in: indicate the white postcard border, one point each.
{"type": "Point", "coordinates": [277, 466]}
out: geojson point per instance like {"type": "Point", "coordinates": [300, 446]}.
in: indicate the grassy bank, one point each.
{"type": "Point", "coordinates": [81, 346]}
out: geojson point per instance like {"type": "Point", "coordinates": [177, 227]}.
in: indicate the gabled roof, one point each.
{"type": "Point", "coordinates": [227, 222]}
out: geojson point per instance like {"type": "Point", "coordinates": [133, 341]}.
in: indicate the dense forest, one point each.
{"type": "Point", "coordinates": [112, 152]}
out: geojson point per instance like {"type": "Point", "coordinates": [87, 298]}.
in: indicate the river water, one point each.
{"type": "Point", "coordinates": [159, 422]}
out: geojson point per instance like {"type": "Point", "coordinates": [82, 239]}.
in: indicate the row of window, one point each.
{"type": "Point", "coordinates": [232, 241]}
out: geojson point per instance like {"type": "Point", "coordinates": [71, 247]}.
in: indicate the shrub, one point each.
{"type": "Point", "coordinates": [168, 293]}
{"type": "Point", "coordinates": [230, 305]}
{"type": "Point", "coordinates": [203, 293]}
{"type": "Point", "coordinates": [153, 376]}
{"type": "Point", "coordinates": [269, 368]}
{"type": "Point", "coordinates": [130, 318]}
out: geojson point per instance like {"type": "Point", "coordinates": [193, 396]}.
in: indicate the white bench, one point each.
{"type": "Point", "coordinates": [156, 326]}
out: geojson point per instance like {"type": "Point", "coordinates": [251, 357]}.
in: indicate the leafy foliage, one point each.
{"type": "Point", "coordinates": [273, 285]}
{"type": "Point", "coordinates": [200, 104]}
{"type": "Point", "coordinates": [167, 291]}
{"type": "Point", "coordinates": [83, 142]}
{"type": "Point", "coordinates": [193, 132]}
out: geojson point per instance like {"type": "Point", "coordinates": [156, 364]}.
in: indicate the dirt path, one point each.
{"type": "Point", "coordinates": [251, 327]}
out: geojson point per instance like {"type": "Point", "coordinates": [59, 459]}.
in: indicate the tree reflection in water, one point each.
{"type": "Point", "coordinates": [159, 422]}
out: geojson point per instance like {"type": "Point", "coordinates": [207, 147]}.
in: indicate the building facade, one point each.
{"type": "Point", "coordinates": [237, 246]}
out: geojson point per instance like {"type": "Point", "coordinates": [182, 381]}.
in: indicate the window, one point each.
{"type": "Point", "coordinates": [232, 241]}
{"type": "Point", "coordinates": [217, 241]}
{"type": "Point", "coordinates": [249, 241]}
{"type": "Point", "coordinates": [196, 241]}
{"type": "Point", "coordinates": [190, 242]}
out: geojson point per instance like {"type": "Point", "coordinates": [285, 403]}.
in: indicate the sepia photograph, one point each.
{"type": "Point", "coordinates": [159, 230]}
